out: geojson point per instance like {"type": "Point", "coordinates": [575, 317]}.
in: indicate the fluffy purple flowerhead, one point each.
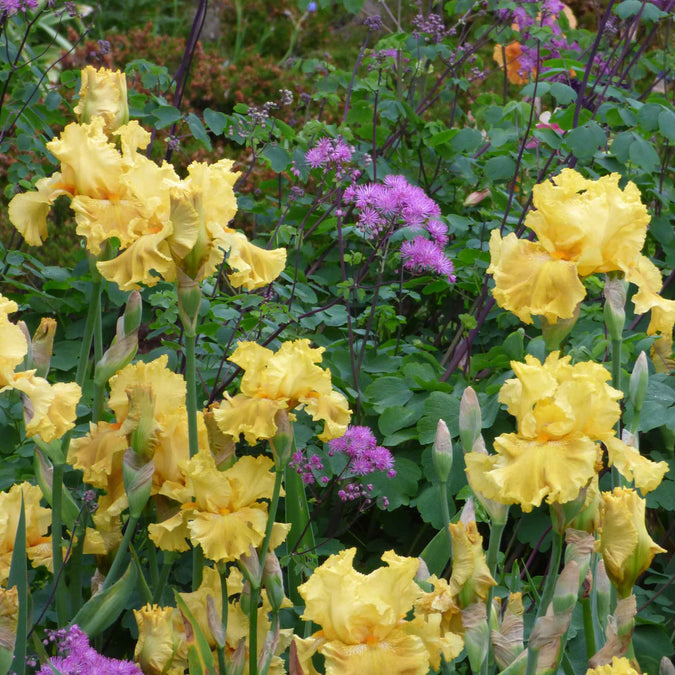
{"type": "Point", "coordinates": [422, 255]}
{"type": "Point", "coordinates": [76, 656]}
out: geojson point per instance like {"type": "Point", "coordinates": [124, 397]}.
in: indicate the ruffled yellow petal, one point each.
{"type": "Point", "coordinates": [254, 267]}
{"type": "Point", "coordinates": [133, 137]}
{"type": "Point", "coordinates": [591, 222]}
{"type": "Point", "coordinates": [38, 519]}
{"type": "Point", "coordinates": [528, 280]}
{"type": "Point", "coordinates": [334, 409]}
{"type": "Point", "coordinates": [90, 164]}
{"type": "Point", "coordinates": [171, 534]}
{"type": "Point", "coordinates": [436, 641]}
{"type": "Point", "coordinates": [252, 417]}
{"type": "Point", "coordinates": [213, 186]}
{"type": "Point", "coordinates": [647, 277]}
{"type": "Point", "coordinates": [358, 609]}
{"type": "Point", "coordinates": [147, 261]}
{"type": "Point", "coordinates": [28, 211]}
{"type": "Point", "coordinates": [50, 409]}
{"type": "Point", "coordinates": [168, 387]}
{"type": "Point", "coordinates": [95, 453]}
{"type": "Point", "coordinates": [400, 654]}
{"type": "Point", "coordinates": [525, 472]}
{"type": "Point", "coordinates": [292, 372]}
{"type": "Point", "coordinates": [646, 474]}
{"type": "Point", "coordinates": [226, 537]}
{"type": "Point", "coordinates": [273, 381]}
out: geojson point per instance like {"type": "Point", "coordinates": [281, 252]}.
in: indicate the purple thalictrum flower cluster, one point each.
{"type": "Point", "coordinates": [395, 204]}
{"type": "Point", "coordinates": [11, 6]}
{"type": "Point", "coordinates": [76, 656]}
{"type": "Point", "coordinates": [331, 154]}
{"type": "Point", "coordinates": [363, 457]}
{"type": "Point", "coordinates": [431, 26]}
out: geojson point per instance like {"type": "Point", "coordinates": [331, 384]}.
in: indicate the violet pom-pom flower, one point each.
{"type": "Point", "coordinates": [76, 656]}
{"type": "Point", "coordinates": [422, 255]}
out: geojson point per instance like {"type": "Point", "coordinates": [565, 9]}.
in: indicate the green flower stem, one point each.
{"type": "Point", "coordinates": [120, 557]}
{"type": "Point", "coordinates": [93, 312]}
{"type": "Point", "coordinates": [167, 564]}
{"type": "Point", "coordinates": [253, 632]}
{"type": "Point", "coordinates": [191, 398]}
{"type": "Point", "coordinates": [255, 584]}
{"type": "Point", "coordinates": [616, 383]}
{"type": "Point", "coordinates": [546, 595]}
{"type": "Point", "coordinates": [97, 405]}
{"type": "Point", "coordinates": [496, 532]}
{"type": "Point", "coordinates": [222, 569]}
{"type": "Point", "coordinates": [60, 589]}
{"type": "Point", "coordinates": [75, 566]}
{"type": "Point", "coordinates": [589, 625]}
{"type": "Point", "coordinates": [272, 514]}
{"type": "Point", "coordinates": [445, 511]}
{"type": "Point", "coordinates": [98, 335]}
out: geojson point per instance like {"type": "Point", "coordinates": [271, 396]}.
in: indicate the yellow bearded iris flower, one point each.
{"type": "Point", "coordinates": [49, 409]}
{"type": "Point", "coordinates": [363, 620]}
{"type": "Point", "coordinates": [625, 544]}
{"type": "Point", "coordinates": [162, 645]}
{"type": "Point", "coordinates": [563, 412]}
{"type": "Point", "coordinates": [285, 380]}
{"type": "Point", "coordinates": [221, 510]}
{"type": "Point", "coordinates": [38, 519]}
{"type": "Point", "coordinates": [99, 454]}
{"type": "Point", "coordinates": [163, 224]}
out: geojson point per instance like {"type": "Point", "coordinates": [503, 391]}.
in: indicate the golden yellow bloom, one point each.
{"type": "Point", "coordinates": [646, 475]}
{"type": "Point", "coordinates": [162, 223]}
{"type": "Point", "coordinates": [563, 411]}
{"type": "Point", "coordinates": [38, 519]}
{"type": "Point", "coordinates": [287, 379]}
{"type": "Point", "coordinates": [99, 454]}
{"type": "Point", "coordinates": [162, 644]}
{"type": "Point", "coordinates": [49, 410]}
{"type": "Point", "coordinates": [161, 648]}
{"type": "Point", "coordinates": [583, 227]}
{"type": "Point", "coordinates": [363, 620]}
{"type": "Point", "coordinates": [227, 514]}
{"type": "Point", "coordinates": [237, 620]}
{"type": "Point", "coordinates": [625, 544]}
{"type": "Point", "coordinates": [619, 666]}
{"type": "Point", "coordinates": [103, 92]}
